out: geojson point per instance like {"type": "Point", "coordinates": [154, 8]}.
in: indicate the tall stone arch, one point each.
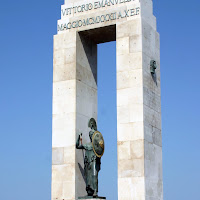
{"type": "Point", "coordinates": [82, 26]}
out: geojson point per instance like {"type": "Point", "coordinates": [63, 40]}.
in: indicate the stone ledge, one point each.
{"type": "Point", "coordinates": [91, 198]}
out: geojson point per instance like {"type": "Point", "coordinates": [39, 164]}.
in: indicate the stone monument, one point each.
{"type": "Point", "coordinates": [82, 26]}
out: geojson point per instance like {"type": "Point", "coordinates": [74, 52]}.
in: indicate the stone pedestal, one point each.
{"type": "Point", "coordinates": [91, 198]}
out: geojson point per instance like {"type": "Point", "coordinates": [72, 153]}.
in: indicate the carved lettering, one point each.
{"type": "Point", "coordinates": [96, 19]}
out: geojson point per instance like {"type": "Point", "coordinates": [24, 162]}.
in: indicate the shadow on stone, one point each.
{"type": "Point", "coordinates": [82, 172]}
{"type": "Point", "coordinates": [154, 77]}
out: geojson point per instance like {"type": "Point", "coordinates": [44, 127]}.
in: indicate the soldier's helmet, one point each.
{"type": "Point", "coordinates": [92, 124]}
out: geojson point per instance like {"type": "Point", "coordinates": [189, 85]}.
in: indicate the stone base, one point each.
{"type": "Point", "coordinates": [91, 198]}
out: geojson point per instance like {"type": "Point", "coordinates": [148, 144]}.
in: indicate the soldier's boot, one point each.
{"type": "Point", "coordinates": [95, 179]}
{"type": "Point", "coordinates": [95, 193]}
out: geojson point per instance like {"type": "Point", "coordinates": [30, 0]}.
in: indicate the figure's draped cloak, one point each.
{"type": "Point", "coordinates": [92, 166]}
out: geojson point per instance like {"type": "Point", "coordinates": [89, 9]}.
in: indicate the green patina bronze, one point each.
{"type": "Point", "coordinates": [92, 161]}
{"type": "Point", "coordinates": [153, 66]}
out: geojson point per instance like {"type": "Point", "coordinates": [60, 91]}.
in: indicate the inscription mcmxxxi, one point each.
{"type": "Point", "coordinates": [99, 19]}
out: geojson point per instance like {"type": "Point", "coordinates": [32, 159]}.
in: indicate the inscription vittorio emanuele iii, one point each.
{"type": "Point", "coordinates": [84, 8]}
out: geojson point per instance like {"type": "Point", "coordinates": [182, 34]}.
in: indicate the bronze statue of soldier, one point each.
{"type": "Point", "coordinates": [92, 161]}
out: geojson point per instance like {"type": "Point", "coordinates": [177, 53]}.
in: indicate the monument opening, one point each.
{"type": "Point", "coordinates": [97, 53]}
{"type": "Point", "coordinates": [107, 117]}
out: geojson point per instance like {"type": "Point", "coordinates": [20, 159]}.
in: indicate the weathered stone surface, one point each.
{"type": "Point", "coordinates": [136, 43]}
{"type": "Point", "coordinates": [127, 191]}
{"type": "Point", "coordinates": [131, 168]}
{"type": "Point", "coordinates": [63, 129]}
{"type": "Point", "coordinates": [65, 41]}
{"type": "Point", "coordinates": [127, 96]}
{"type": "Point", "coordinates": [64, 72]}
{"type": "Point", "coordinates": [129, 62]}
{"type": "Point", "coordinates": [68, 190]}
{"type": "Point", "coordinates": [69, 154]}
{"type": "Point", "coordinates": [64, 97]}
{"type": "Point", "coordinates": [123, 46]}
{"type": "Point", "coordinates": [57, 156]}
{"type": "Point", "coordinates": [63, 173]}
{"type": "Point", "coordinates": [56, 190]}
{"type": "Point", "coordinates": [133, 27]}
{"type": "Point", "coordinates": [130, 131]}
{"type": "Point", "coordinates": [129, 79]}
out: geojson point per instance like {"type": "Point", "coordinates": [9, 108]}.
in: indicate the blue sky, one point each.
{"type": "Point", "coordinates": [26, 50]}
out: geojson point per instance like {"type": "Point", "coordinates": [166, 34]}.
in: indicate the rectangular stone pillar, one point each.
{"type": "Point", "coordinates": [86, 100]}
{"type": "Point", "coordinates": [152, 105]}
{"type": "Point", "coordinates": [139, 108]}
{"type": "Point", "coordinates": [74, 103]}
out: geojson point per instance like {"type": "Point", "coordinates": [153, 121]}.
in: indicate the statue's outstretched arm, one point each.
{"type": "Point", "coordinates": [78, 146]}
